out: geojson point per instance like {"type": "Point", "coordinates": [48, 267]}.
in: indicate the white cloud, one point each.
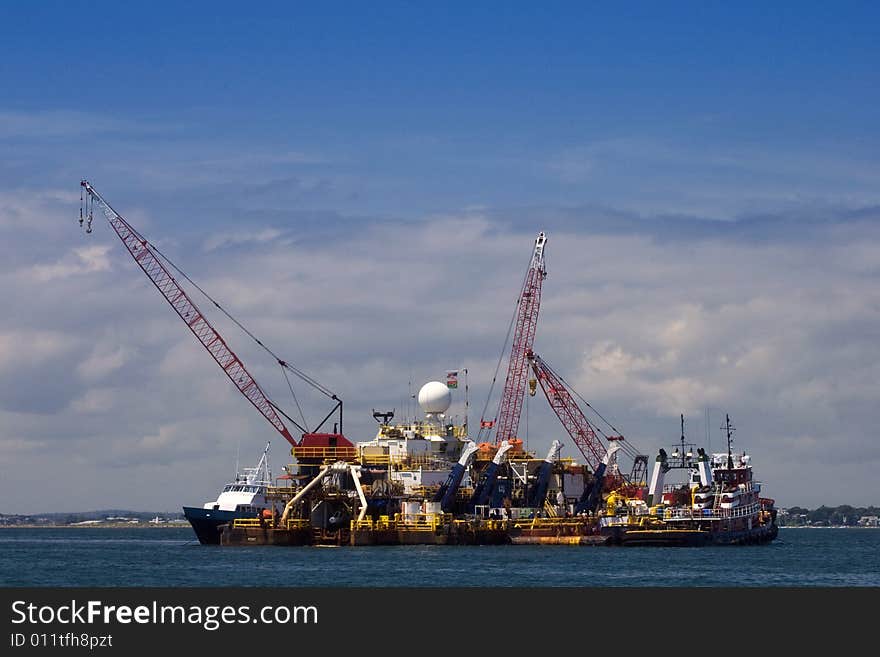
{"type": "Point", "coordinates": [82, 260]}
{"type": "Point", "coordinates": [644, 329]}
{"type": "Point", "coordinates": [46, 124]}
{"type": "Point", "coordinates": [22, 349]}
{"type": "Point", "coordinates": [221, 240]}
{"type": "Point", "coordinates": [103, 360]}
{"type": "Point", "coordinates": [95, 400]}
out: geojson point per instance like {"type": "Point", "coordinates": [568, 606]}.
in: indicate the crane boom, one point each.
{"type": "Point", "coordinates": [569, 413]}
{"type": "Point", "coordinates": [210, 339]}
{"type": "Point", "coordinates": [529, 304]}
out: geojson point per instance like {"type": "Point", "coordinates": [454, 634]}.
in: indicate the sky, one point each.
{"type": "Point", "coordinates": [361, 186]}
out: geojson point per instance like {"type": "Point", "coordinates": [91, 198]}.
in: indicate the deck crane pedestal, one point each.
{"type": "Point", "coordinates": [448, 490]}
{"type": "Point", "coordinates": [545, 470]}
{"type": "Point", "coordinates": [484, 489]}
{"type": "Point", "coordinates": [591, 496]}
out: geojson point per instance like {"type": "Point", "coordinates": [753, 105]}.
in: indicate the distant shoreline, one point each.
{"type": "Point", "coordinates": [826, 527]}
{"type": "Point", "coordinates": [102, 525]}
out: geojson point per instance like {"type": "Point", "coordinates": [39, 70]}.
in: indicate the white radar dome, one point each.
{"type": "Point", "coordinates": [434, 397]}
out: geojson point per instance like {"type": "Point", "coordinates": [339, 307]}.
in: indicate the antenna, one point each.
{"type": "Point", "coordinates": [409, 397]}
{"type": "Point", "coordinates": [266, 462]}
{"type": "Point", "coordinates": [383, 417]}
{"type": "Point", "coordinates": [683, 451]}
{"type": "Point", "coordinates": [729, 429]}
{"type": "Point", "coordinates": [237, 455]}
{"type": "Point", "coordinates": [708, 434]}
{"type": "Point", "coordinates": [466, 404]}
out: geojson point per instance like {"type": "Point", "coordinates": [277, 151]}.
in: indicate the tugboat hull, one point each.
{"type": "Point", "coordinates": [690, 537]}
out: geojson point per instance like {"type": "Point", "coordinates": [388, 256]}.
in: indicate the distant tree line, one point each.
{"type": "Point", "coordinates": [843, 515]}
{"type": "Point", "coordinates": [74, 517]}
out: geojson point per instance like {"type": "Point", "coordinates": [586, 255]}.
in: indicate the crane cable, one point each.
{"type": "Point", "coordinates": [89, 205]}
{"type": "Point", "coordinates": [284, 364]}
{"type": "Point", "coordinates": [628, 448]}
{"type": "Point", "coordinates": [293, 394]}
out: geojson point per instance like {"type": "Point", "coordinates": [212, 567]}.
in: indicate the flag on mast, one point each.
{"type": "Point", "coordinates": [452, 379]}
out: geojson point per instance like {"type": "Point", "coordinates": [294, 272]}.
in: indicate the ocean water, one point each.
{"type": "Point", "coordinates": [170, 557]}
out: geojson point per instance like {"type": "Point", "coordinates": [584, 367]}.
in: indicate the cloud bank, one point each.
{"type": "Point", "coordinates": [110, 401]}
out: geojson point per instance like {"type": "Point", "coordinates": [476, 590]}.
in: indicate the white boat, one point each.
{"type": "Point", "coordinates": [244, 497]}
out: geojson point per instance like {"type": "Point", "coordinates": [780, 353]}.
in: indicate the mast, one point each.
{"type": "Point", "coordinates": [729, 429]}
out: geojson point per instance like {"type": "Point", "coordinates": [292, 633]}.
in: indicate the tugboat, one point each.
{"type": "Point", "coordinates": [719, 504]}
{"type": "Point", "coordinates": [244, 497]}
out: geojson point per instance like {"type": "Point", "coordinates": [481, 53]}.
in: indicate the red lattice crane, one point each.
{"type": "Point", "coordinates": [526, 319]}
{"type": "Point", "coordinates": [150, 262]}
{"type": "Point", "coordinates": [569, 413]}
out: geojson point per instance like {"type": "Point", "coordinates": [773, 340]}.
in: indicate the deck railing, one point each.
{"type": "Point", "coordinates": [715, 514]}
{"type": "Point", "coordinates": [326, 453]}
{"type": "Point", "coordinates": [255, 523]}
{"type": "Point", "coordinates": [404, 522]}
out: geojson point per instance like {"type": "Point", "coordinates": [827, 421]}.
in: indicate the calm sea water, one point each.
{"type": "Point", "coordinates": [168, 557]}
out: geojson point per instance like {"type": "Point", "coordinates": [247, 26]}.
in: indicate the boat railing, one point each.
{"type": "Point", "coordinates": [326, 453]}
{"type": "Point", "coordinates": [406, 461]}
{"type": "Point", "coordinates": [375, 459]}
{"type": "Point", "coordinates": [493, 525]}
{"type": "Point", "coordinates": [244, 523]}
{"type": "Point", "coordinates": [255, 523]}
{"type": "Point", "coordinates": [551, 522]}
{"type": "Point", "coordinates": [281, 491]}
{"type": "Point", "coordinates": [297, 523]}
{"type": "Point", "coordinates": [715, 514]}
{"type": "Point", "coordinates": [403, 522]}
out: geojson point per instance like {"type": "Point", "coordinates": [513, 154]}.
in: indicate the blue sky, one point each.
{"type": "Point", "coordinates": [707, 174]}
{"type": "Point", "coordinates": [395, 103]}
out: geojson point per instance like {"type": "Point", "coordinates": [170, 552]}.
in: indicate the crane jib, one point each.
{"type": "Point", "coordinates": [517, 370]}
{"type": "Point", "coordinates": [569, 413]}
{"type": "Point", "coordinates": [187, 310]}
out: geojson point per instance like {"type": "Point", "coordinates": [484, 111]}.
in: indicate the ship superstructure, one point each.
{"type": "Point", "coordinates": [719, 502]}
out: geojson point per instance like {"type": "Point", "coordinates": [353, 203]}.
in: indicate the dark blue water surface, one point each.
{"type": "Point", "coordinates": [168, 557]}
